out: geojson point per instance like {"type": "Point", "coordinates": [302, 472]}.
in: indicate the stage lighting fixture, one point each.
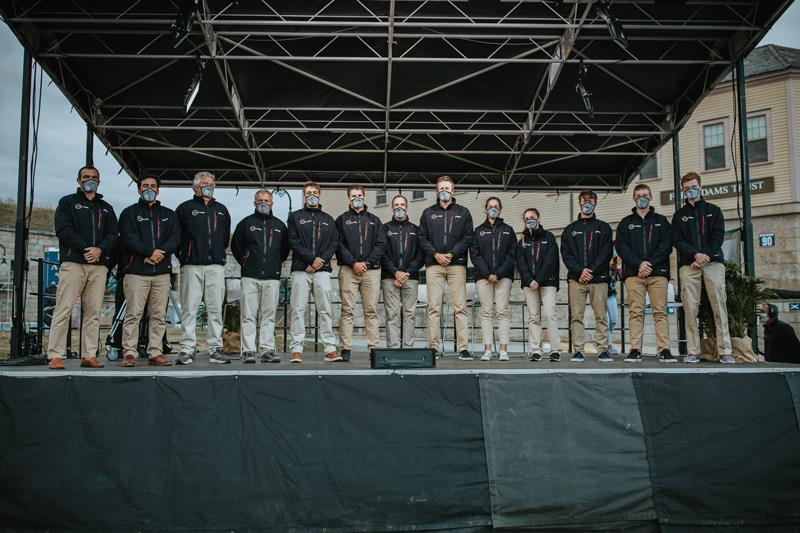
{"type": "Point", "coordinates": [615, 28]}
{"type": "Point", "coordinates": [184, 21]}
{"type": "Point", "coordinates": [583, 92]}
{"type": "Point", "coordinates": [194, 88]}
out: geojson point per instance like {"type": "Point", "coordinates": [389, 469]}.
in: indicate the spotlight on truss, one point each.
{"type": "Point", "coordinates": [194, 87]}
{"type": "Point", "coordinates": [615, 28]}
{"type": "Point", "coordinates": [582, 91]}
{"type": "Point", "coordinates": [184, 21]}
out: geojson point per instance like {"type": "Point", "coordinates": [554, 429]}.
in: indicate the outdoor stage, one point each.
{"type": "Point", "coordinates": [340, 447]}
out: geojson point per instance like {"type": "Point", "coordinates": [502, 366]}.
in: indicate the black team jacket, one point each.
{"type": "Point", "coordinates": [698, 229]}
{"type": "Point", "coordinates": [586, 243]}
{"type": "Point", "coordinates": [445, 231]}
{"type": "Point", "coordinates": [361, 238]}
{"type": "Point", "coordinates": [537, 258]}
{"type": "Point", "coordinates": [260, 245]}
{"type": "Point", "coordinates": [492, 250]}
{"type": "Point", "coordinates": [312, 234]}
{"type": "Point", "coordinates": [644, 239]}
{"type": "Point", "coordinates": [205, 232]}
{"type": "Point", "coordinates": [80, 223]}
{"type": "Point", "coordinates": [403, 252]}
{"type": "Point", "coordinates": [142, 230]}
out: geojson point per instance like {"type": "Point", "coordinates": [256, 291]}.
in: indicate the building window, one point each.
{"type": "Point", "coordinates": [714, 146]}
{"type": "Point", "coordinates": [757, 147]}
{"type": "Point", "coordinates": [649, 170]}
{"type": "Point", "coordinates": [418, 195]}
{"type": "Point", "coordinates": [381, 198]}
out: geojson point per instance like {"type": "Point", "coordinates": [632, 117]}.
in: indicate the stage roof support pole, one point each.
{"type": "Point", "coordinates": [21, 232]}
{"type": "Point", "coordinates": [89, 145]}
{"type": "Point", "coordinates": [676, 176]}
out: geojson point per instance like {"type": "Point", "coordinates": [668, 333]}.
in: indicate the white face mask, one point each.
{"type": "Point", "coordinates": [444, 196]}
{"type": "Point", "coordinates": [532, 224]}
{"type": "Point", "coordinates": [149, 195]}
{"type": "Point", "coordinates": [587, 209]}
{"type": "Point", "coordinates": [91, 185]}
{"type": "Point", "coordinates": [263, 208]}
{"type": "Point", "coordinates": [400, 213]}
{"type": "Point", "coordinates": [493, 212]}
{"type": "Point", "coordinates": [312, 201]}
{"type": "Point", "coordinates": [207, 191]}
{"type": "Point", "coordinates": [358, 203]}
{"type": "Point", "coordinates": [643, 202]}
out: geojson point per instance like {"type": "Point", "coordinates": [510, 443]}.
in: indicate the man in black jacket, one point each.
{"type": "Point", "coordinates": [205, 232]}
{"type": "Point", "coordinates": [586, 249]}
{"type": "Point", "coordinates": [780, 341]}
{"type": "Point", "coordinates": [361, 246]}
{"type": "Point", "coordinates": [698, 231]}
{"type": "Point", "coordinates": [445, 235]}
{"type": "Point", "coordinates": [86, 227]}
{"type": "Point", "coordinates": [402, 262]}
{"type": "Point", "coordinates": [260, 244]}
{"type": "Point", "coordinates": [537, 263]}
{"type": "Point", "coordinates": [644, 242]}
{"type": "Point", "coordinates": [150, 234]}
{"type": "Point", "coordinates": [313, 239]}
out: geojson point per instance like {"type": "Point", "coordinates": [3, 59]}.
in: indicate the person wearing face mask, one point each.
{"type": "Point", "coordinates": [150, 233]}
{"type": "Point", "coordinates": [492, 254]}
{"type": "Point", "coordinates": [401, 263]}
{"type": "Point", "coordinates": [644, 242]}
{"type": "Point", "coordinates": [698, 231]}
{"type": "Point", "coordinates": [537, 264]}
{"type": "Point", "coordinates": [781, 344]}
{"type": "Point", "coordinates": [362, 243]}
{"type": "Point", "coordinates": [313, 239]}
{"type": "Point", "coordinates": [86, 227]}
{"type": "Point", "coordinates": [586, 249]}
{"type": "Point", "coordinates": [260, 245]}
{"type": "Point", "coordinates": [445, 235]}
{"type": "Point", "coordinates": [205, 232]}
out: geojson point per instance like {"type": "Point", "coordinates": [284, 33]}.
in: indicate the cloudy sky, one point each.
{"type": "Point", "coordinates": [63, 136]}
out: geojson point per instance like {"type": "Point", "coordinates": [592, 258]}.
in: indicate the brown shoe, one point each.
{"type": "Point", "coordinates": [159, 360]}
{"type": "Point", "coordinates": [332, 357]}
{"type": "Point", "coordinates": [56, 363]}
{"type": "Point", "coordinates": [91, 362]}
{"type": "Point", "coordinates": [296, 358]}
{"type": "Point", "coordinates": [129, 360]}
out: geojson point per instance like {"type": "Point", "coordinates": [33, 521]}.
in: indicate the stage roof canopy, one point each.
{"type": "Point", "coordinates": [391, 93]}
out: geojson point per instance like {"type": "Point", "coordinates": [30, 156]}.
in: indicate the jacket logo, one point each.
{"type": "Point", "coordinates": [255, 228]}
{"type": "Point", "coordinates": [576, 233]}
{"type": "Point", "coordinates": [81, 206]}
{"type": "Point", "coordinates": [631, 226]}
{"type": "Point", "coordinates": [656, 225]}
{"type": "Point", "coordinates": [304, 221]}
{"type": "Point", "coordinates": [351, 222]}
{"type": "Point", "coordinates": [484, 233]}
{"type": "Point", "coordinates": [325, 224]}
{"type": "Point", "coordinates": [195, 212]}
{"type": "Point", "coordinates": [686, 219]}
{"type": "Point", "coordinates": [140, 218]}
{"type": "Point", "coordinates": [434, 216]}
{"type": "Point", "coordinates": [390, 233]}
{"type": "Point", "coordinates": [164, 219]}
{"type": "Point", "coordinates": [277, 231]}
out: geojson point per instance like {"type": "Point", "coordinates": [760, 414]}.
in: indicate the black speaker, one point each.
{"type": "Point", "coordinates": [405, 358]}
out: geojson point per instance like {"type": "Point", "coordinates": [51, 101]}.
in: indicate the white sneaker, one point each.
{"type": "Point", "coordinates": [487, 356]}
{"type": "Point", "coordinates": [503, 355]}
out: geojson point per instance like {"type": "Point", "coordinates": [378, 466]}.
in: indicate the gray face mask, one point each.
{"type": "Point", "coordinates": [312, 201]}
{"type": "Point", "coordinates": [693, 193]}
{"type": "Point", "coordinates": [149, 195]}
{"type": "Point", "coordinates": [643, 202]}
{"type": "Point", "coordinates": [358, 203]}
{"type": "Point", "coordinates": [493, 212]}
{"type": "Point", "coordinates": [444, 196]}
{"type": "Point", "coordinates": [587, 209]}
{"type": "Point", "coordinates": [90, 185]}
{"type": "Point", "coordinates": [263, 208]}
{"type": "Point", "coordinates": [207, 191]}
{"type": "Point", "coordinates": [532, 224]}
{"type": "Point", "coordinates": [400, 213]}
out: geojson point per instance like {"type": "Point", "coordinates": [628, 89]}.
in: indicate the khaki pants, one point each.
{"type": "Point", "coordinates": [635, 290]}
{"type": "Point", "coordinates": [368, 285]}
{"type": "Point", "coordinates": [152, 291]}
{"type": "Point", "coordinates": [89, 283]}
{"type": "Point", "coordinates": [304, 283]}
{"type": "Point", "coordinates": [259, 301]}
{"type": "Point", "coordinates": [598, 298]}
{"type": "Point", "coordinates": [456, 279]}
{"type": "Point", "coordinates": [395, 299]}
{"type": "Point", "coordinates": [542, 301]}
{"type": "Point", "coordinates": [713, 274]}
{"type": "Point", "coordinates": [494, 299]}
{"type": "Point", "coordinates": [202, 283]}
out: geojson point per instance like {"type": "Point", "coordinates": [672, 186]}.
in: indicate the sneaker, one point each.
{"type": "Point", "coordinates": [185, 358]}
{"type": "Point", "coordinates": [578, 357]}
{"type": "Point", "coordinates": [691, 358]}
{"type": "Point", "coordinates": [487, 355]}
{"type": "Point", "coordinates": [665, 356]}
{"type": "Point", "coordinates": [249, 357]}
{"type": "Point", "coordinates": [727, 359]}
{"type": "Point", "coordinates": [503, 356]}
{"type": "Point", "coordinates": [605, 357]}
{"type": "Point", "coordinates": [332, 357]}
{"type": "Point", "coordinates": [555, 357]}
{"type": "Point", "coordinates": [464, 355]}
{"type": "Point", "coordinates": [345, 355]}
{"type": "Point", "coordinates": [217, 356]}
{"type": "Point", "coordinates": [269, 357]}
{"type": "Point", "coordinates": [296, 358]}
{"type": "Point", "coordinates": [634, 356]}
{"type": "Point", "coordinates": [535, 357]}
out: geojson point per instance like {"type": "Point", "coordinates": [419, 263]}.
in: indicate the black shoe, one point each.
{"type": "Point", "coordinates": [605, 357]}
{"type": "Point", "coordinates": [270, 357]}
{"type": "Point", "coordinates": [665, 356]}
{"type": "Point", "coordinates": [578, 357]}
{"type": "Point", "coordinates": [535, 357]}
{"type": "Point", "coordinates": [345, 355]}
{"type": "Point", "coordinates": [464, 355]}
{"type": "Point", "coordinates": [634, 356]}
{"type": "Point", "coordinates": [166, 348]}
{"type": "Point", "coordinates": [555, 357]}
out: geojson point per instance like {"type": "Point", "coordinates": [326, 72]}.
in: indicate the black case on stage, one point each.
{"type": "Point", "coordinates": [405, 358]}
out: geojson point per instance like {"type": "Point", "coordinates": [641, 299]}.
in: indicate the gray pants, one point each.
{"type": "Point", "coordinates": [304, 283]}
{"type": "Point", "coordinates": [396, 299]}
{"type": "Point", "coordinates": [259, 302]}
{"type": "Point", "coordinates": [202, 283]}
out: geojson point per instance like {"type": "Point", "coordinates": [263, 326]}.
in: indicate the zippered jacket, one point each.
{"type": "Point", "coordinates": [698, 229]}
{"type": "Point", "coordinates": [81, 223]}
{"type": "Point", "coordinates": [142, 230]}
{"type": "Point", "coordinates": [644, 239]}
{"type": "Point", "coordinates": [586, 243]}
{"type": "Point", "coordinates": [403, 252]}
{"type": "Point", "coordinates": [361, 238]}
{"type": "Point", "coordinates": [492, 250]}
{"type": "Point", "coordinates": [260, 245]}
{"type": "Point", "coordinates": [445, 231]}
{"type": "Point", "coordinates": [205, 232]}
{"type": "Point", "coordinates": [312, 234]}
{"type": "Point", "coordinates": [537, 258]}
